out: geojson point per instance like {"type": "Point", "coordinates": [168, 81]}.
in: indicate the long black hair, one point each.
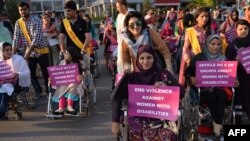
{"type": "Point", "coordinates": [74, 54]}
{"type": "Point", "coordinates": [207, 27]}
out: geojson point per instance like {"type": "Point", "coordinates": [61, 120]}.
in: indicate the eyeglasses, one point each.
{"type": "Point", "coordinates": [137, 23]}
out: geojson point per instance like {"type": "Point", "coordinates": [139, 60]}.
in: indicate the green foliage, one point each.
{"type": "Point", "coordinates": [98, 18]}
{"type": "Point", "coordinates": [12, 10]}
{"type": "Point", "coordinates": [146, 5]}
{"type": "Point", "coordinates": [203, 3]}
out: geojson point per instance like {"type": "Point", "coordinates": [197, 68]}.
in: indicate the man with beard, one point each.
{"type": "Point", "coordinates": [76, 31]}
{"type": "Point", "coordinates": [28, 33]}
{"type": "Point", "coordinates": [122, 8]}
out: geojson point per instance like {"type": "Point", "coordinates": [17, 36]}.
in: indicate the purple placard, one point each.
{"type": "Point", "coordinates": [149, 101]}
{"type": "Point", "coordinates": [112, 48]}
{"type": "Point", "coordinates": [244, 55]}
{"type": "Point", "coordinates": [216, 73]}
{"type": "Point", "coordinates": [63, 74]}
{"type": "Point", "coordinates": [5, 71]}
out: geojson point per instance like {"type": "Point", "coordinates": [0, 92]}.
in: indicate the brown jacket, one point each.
{"type": "Point", "coordinates": [159, 44]}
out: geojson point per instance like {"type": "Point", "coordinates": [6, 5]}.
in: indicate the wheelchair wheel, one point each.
{"type": "Point", "coordinates": [124, 126]}
{"type": "Point", "coordinates": [124, 132]}
{"type": "Point", "coordinates": [98, 66]}
{"type": "Point", "coordinates": [180, 125]}
{"type": "Point", "coordinates": [229, 117]}
{"type": "Point", "coordinates": [30, 98]}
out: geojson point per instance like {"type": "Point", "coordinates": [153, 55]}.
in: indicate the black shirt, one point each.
{"type": "Point", "coordinates": [80, 27]}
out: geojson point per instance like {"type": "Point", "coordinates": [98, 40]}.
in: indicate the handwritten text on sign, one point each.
{"type": "Point", "coordinates": [149, 101]}
{"type": "Point", "coordinates": [244, 55]}
{"type": "Point", "coordinates": [5, 71]}
{"type": "Point", "coordinates": [216, 73]}
{"type": "Point", "coordinates": [63, 75]}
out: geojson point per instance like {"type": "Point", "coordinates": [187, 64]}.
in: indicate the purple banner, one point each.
{"type": "Point", "coordinates": [244, 55]}
{"type": "Point", "coordinates": [112, 48]}
{"type": "Point", "coordinates": [216, 73]}
{"type": "Point", "coordinates": [5, 71]}
{"type": "Point", "coordinates": [149, 101]}
{"type": "Point", "coordinates": [63, 74]}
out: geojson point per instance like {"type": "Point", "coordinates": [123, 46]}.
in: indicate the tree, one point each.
{"type": "Point", "coordinates": [203, 3]}
{"type": "Point", "coordinates": [12, 10]}
{"type": "Point", "coordinates": [146, 5]}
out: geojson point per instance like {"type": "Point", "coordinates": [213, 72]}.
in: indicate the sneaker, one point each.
{"type": "Point", "coordinates": [70, 109]}
{"type": "Point", "coordinates": [60, 110]}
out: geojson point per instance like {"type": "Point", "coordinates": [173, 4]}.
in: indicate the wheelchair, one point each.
{"type": "Point", "coordinates": [111, 58]}
{"type": "Point", "coordinates": [95, 64]}
{"type": "Point", "coordinates": [22, 98]}
{"type": "Point", "coordinates": [175, 127]}
{"type": "Point", "coordinates": [113, 65]}
{"type": "Point", "coordinates": [197, 120]}
{"type": "Point", "coordinates": [84, 104]}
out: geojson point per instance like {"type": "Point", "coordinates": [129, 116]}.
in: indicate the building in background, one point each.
{"type": "Point", "coordinates": [99, 8]}
{"type": "Point", "coordinates": [38, 6]}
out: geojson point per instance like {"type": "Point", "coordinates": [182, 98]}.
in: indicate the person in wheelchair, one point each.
{"type": "Point", "coordinates": [148, 72]}
{"type": "Point", "coordinates": [215, 97]}
{"type": "Point", "coordinates": [21, 74]}
{"type": "Point", "coordinates": [68, 93]}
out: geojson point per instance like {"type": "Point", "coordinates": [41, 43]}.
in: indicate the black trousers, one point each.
{"type": "Point", "coordinates": [216, 101]}
{"type": "Point", "coordinates": [3, 104]}
{"type": "Point", "coordinates": [43, 61]}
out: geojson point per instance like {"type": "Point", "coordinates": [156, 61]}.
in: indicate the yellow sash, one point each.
{"type": "Point", "coordinates": [27, 37]}
{"type": "Point", "coordinates": [73, 36]}
{"type": "Point", "coordinates": [193, 40]}
{"type": "Point", "coordinates": [224, 44]}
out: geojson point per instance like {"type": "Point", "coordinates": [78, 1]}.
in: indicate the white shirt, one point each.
{"type": "Point", "coordinates": [119, 30]}
{"type": "Point", "coordinates": [18, 65]}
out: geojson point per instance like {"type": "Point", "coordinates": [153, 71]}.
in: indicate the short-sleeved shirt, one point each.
{"type": "Point", "coordinates": [80, 27]}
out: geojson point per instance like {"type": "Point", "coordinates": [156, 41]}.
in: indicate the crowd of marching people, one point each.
{"type": "Point", "coordinates": [160, 48]}
{"type": "Point", "coordinates": [177, 39]}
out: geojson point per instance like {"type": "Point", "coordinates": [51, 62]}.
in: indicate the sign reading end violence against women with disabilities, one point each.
{"type": "Point", "coordinates": [5, 71]}
{"type": "Point", "coordinates": [63, 74]}
{"type": "Point", "coordinates": [244, 56]}
{"type": "Point", "coordinates": [152, 102]}
{"type": "Point", "coordinates": [216, 73]}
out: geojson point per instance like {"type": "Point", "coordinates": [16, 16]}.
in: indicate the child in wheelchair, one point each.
{"type": "Point", "coordinates": [66, 96]}
{"type": "Point", "coordinates": [20, 75]}
{"type": "Point", "coordinates": [148, 72]}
